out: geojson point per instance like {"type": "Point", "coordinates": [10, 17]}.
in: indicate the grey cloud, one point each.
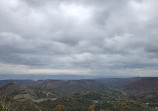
{"type": "Point", "coordinates": [94, 35]}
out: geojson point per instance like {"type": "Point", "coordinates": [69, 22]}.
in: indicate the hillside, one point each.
{"type": "Point", "coordinates": [113, 94]}
{"type": "Point", "coordinates": [146, 83]}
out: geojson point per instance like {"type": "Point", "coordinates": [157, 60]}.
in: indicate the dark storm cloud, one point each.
{"type": "Point", "coordinates": [86, 36]}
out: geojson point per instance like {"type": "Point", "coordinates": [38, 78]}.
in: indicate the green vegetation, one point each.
{"type": "Point", "coordinates": [44, 96]}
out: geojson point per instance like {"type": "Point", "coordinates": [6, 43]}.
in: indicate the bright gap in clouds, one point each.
{"type": "Point", "coordinates": [22, 69]}
{"type": "Point", "coordinates": [76, 12]}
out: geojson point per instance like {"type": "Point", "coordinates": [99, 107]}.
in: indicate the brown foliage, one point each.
{"type": "Point", "coordinates": [59, 108]}
{"type": "Point", "coordinates": [125, 106]}
{"type": "Point", "coordinates": [104, 110]}
{"type": "Point", "coordinates": [91, 108]}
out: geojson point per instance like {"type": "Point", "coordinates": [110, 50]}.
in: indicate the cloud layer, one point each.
{"type": "Point", "coordinates": [92, 37]}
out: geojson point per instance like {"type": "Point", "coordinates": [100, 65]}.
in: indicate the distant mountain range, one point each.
{"type": "Point", "coordinates": [57, 77]}
{"type": "Point", "coordinates": [70, 86]}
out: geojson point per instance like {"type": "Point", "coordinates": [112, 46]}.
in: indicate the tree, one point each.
{"type": "Point", "coordinates": [59, 108]}
{"type": "Point", "coordinates": [125, 106]}
{"type": "Point", "coordinates": [91, 108]}
{"type": "Point", "coordinates": [3, 106]}
{"type": "Point", "coordinates": [104, 110]}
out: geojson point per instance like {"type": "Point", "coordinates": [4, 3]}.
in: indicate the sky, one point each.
{"type": "Point", "coordinates": [79, 37]}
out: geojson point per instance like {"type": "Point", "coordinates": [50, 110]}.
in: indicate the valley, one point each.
{"type": "Point", "coordinates": [109, 94]}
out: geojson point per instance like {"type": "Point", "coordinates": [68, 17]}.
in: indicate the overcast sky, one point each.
{"type": "Point", "coordinates": [87, 37]}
